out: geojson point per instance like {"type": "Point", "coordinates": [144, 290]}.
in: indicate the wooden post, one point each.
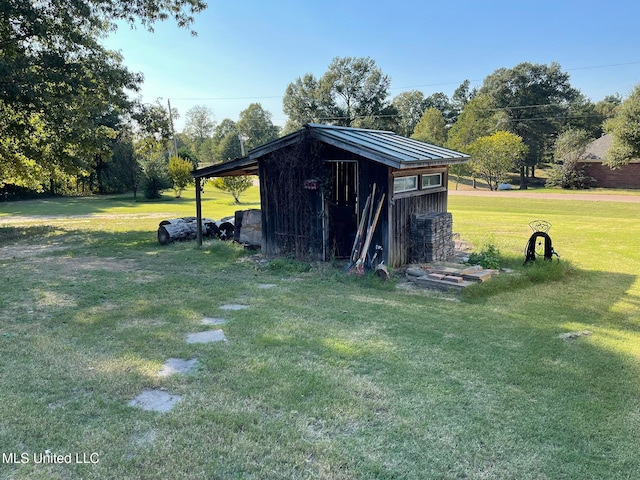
{"type": "Point", "coordinates": [199, 212]}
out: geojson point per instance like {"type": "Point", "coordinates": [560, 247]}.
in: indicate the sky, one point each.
{"type": "Point", "coordinates": [249, 51]}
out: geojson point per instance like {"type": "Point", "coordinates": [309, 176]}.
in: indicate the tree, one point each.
{"type": "Point", "coordinates": [229, 147]}
{"type": "Point", "coordinates": [255, 124]}
{"type": "Point", "coordinates": [569, 149]}
{"type": "Point", "coordinates": [495, 155]}
{"type": "Point", "coordinates": [199, 123]}
{"type": "Point", "coordinates": [234, 185]}
{"type": "Point", "coordinates": [535, 99]}
{"type": "Point", "coordinates": [180, 174]}
{"type": "Point", "coordinates": [584, 115]}
{"type": "Point", "coordinates": [440, 101]}
{"type": "Point", "coordinates": [56, 78]}
{"type": "Point", "coordinates": [431, 127]}
{"type": "Point", "coordinates": [625, 128]}
{"type": "Point", "coordinates": [152, 157]}
{"type": "Point", "coordinates": [198, 132]}
{"type": "Point", "coordinates": [410, 107]}
{"type": "Point", "coordinates": [461, 96]}
{"type": "Point", "coordinates": [305, 102]}
{"type": "Point", "coordinates": [358, 89]}
{"type": "Point", "coordinates": [608, 106]}
{"type": "Point", "coordinates": [478, 119]}
{"type": "Point", "coordinates": [353, 92]}
{"type": "Point", "coordinates": [224, 128]}
{"type": "Point", "coordinates": [125, 166]}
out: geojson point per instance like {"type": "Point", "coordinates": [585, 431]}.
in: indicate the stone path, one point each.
{"type": "Point", "coordinates": [207, 337]}
{"type": "Point", "coordinates": [158, 400]}
{"type": "Point", "coordinates": [155, 400]}
{"type": "Point", "coordinates": [177, 365]}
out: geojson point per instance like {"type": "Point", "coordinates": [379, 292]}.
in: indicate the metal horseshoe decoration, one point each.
{"type": "Point", "coordinates": [539, 244]}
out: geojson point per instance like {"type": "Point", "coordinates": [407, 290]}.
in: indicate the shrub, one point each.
{"type": "Point", "coordinates": [488, 257]}
{"type": "Point", "coordinates": [155, 178]}
{"type": "Point", "coordinates": [234, 186]}
{"type": "Point", "coordinates": [180, 173]}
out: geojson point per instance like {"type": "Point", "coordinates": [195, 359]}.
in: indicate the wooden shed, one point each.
{"type": "Point", "coordinates": [314, 183]}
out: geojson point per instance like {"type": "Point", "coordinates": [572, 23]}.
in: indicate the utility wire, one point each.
{"type": "Point", "coordinates": [401, 88]}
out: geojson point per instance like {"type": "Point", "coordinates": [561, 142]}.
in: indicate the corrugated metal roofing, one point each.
{"type": "Point", "coordinates": [381, 146]}
{"type": "Point", "coordinates": [386, 147]}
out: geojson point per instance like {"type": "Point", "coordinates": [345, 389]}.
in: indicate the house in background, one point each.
{"type": "Point", "coordinates": [314, 184]}
{"type": "Point", "coordinates": [627, 176]}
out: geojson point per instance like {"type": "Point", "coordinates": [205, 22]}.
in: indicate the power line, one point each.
{"type": "Point", "coordinates": [271, 97]}
{"type": "Point", "coordinates": [604, 66]}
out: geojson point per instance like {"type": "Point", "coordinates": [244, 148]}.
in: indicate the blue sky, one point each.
{"type": "Point", "coordinates": [250, 50]}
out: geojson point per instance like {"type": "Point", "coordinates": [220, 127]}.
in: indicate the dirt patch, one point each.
{"type": "Point", "coordinates": [73, 265]}
{"type": "Point", "coordinates": [24, 251]}
{"type": "Point", "coordinates": [30, 219]}
{"type": "Point", "coordinates": [155, 400]}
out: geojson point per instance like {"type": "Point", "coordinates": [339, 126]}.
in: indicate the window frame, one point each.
{"type": "Point", "coordinates": [405, 190]}
{"type": "Point", "coordinates": [430, 187]}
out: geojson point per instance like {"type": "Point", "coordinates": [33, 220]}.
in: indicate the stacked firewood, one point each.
{"type": "Point", "coordinates": [431, 237]}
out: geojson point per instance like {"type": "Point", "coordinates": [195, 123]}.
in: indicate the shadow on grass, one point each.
{"type": "Point", "coordinates": [482, 387]}
{"type": "Point", "coordinates": [96, 204]}
{"type": "Point", "coordinates": [520, 277]}
{"type": "Point", "coordinates": [10, 235]}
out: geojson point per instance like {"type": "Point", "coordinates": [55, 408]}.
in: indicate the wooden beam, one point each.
{"type": "Point", "coordinates": [199, 211]}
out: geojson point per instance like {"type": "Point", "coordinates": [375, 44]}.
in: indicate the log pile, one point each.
{"type": "Point", "coordinates": [185, 228]}
{"type": "Point", "coordinates": [432, 237]}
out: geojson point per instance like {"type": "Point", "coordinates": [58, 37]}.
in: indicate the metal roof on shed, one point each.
{"type": "Point", "coordinates": [380, 146]}
{"type": "Point", "coordinates": [386, 147]}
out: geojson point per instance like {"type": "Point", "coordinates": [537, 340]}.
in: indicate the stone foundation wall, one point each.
{"type": "Point", "coordinates": [431, 237]}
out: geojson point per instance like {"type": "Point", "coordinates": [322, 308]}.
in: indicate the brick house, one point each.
{"type": "Point", "coordinates": [627, 176]}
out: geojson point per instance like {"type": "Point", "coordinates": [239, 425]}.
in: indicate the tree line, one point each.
{"type": "Point", "coordinates": [68, 123]}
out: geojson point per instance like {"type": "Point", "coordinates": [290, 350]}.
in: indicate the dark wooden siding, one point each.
{"type": "Point", "coordinates": [402, 207]}
{"type": "Point", "coordinates": [291, 220]}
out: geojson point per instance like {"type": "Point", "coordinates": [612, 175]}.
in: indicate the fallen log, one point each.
{"type": "Point", "coordinates": [185, 228]}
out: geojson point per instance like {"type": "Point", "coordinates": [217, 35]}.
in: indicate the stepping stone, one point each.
{"type": "Point", "coordinates": [155, 400]}
{"type": "Point", "coordinates": [267, 285]}
{"type": "Point", "coordinates": [213, 321]}
{"type": "Point", "coordinates": [572, 335]}
{"type": "Point", "coordinates": [209, 336]}
{"type": "Point", "coordinates": [233, 306]}
{"type": "Point", "coordinates": [177, 365]}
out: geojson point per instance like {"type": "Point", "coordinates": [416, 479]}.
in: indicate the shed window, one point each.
{"type": "Point", "coordinates": [432, 180]}
{"type": "Point", "coordinates": [405, 184]}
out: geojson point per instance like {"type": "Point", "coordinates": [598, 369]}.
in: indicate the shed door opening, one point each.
{"type": "Point", "coordinates": [342, 207]}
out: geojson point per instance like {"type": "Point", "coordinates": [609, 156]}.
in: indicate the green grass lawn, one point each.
{"type": "Point", "coordinates": [324, 375]}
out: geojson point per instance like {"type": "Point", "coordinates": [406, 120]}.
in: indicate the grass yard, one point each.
{"type": "Point", "coordinates": [323, 375]}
